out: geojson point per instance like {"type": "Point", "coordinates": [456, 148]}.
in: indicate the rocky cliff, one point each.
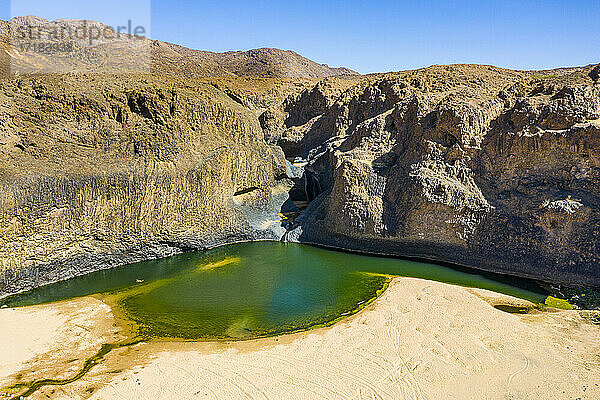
{"type": "Point", "coordinates": [101, 170]}
{"type": "Point", "coordinates": [466, 164]}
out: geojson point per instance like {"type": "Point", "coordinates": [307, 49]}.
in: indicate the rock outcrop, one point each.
{"type": "Point", "coordinates": [473, 165]}
{"type": "Point", "coordinates": [101, 170]}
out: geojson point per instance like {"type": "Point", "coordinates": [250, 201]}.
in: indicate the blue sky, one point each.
{"type": "Point", "coordinates": [368, 36]}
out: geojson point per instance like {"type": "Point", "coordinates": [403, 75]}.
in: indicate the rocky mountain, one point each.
{"type": "Point", "coordinates": [33, 45]}
{"type": "Point", "coordinates": [473, 165]}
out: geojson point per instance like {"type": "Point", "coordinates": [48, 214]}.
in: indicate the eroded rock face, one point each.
{"type": "Point", "coordinates": [99, 170]}
{"type": "Point", "coordinates": [595, 73]}
{"type": "Point", "coordinates": [467, 164]}
{"type": "Point", "coordinates": [475, 165]}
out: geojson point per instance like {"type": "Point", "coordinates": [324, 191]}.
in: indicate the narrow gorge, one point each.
{"type": "Point", "coordinates": [471, 165]}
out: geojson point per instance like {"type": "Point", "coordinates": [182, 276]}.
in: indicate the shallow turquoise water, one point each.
{"type": "Point", "coordinates": [253, 289]}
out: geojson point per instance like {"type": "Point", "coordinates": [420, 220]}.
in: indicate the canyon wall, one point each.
{"type": "Point", "coordinates": [473, 165]}
{"type": "Point", "coordinates": [102, 170]}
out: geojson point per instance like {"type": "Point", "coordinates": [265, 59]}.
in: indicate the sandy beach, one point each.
{"type": "Point", "coordinates": [419, 340]}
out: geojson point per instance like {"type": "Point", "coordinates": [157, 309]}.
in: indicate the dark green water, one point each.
{"type": "Point", "coordinates": [253, 289]}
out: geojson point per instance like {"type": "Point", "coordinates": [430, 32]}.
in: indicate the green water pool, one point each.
{"type": "Point", "coordinates": [248, 290]}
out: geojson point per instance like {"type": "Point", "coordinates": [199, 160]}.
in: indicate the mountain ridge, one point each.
{"type": "Point", "coordinates": [33, 44]}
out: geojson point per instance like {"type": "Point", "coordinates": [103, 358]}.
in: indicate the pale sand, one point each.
{"type": "Point", "coordinates": [420, 340]}
{"type": "Point", "coordinates": [42, 327]}
{"type": "Point", "coordinates": [52, 341]}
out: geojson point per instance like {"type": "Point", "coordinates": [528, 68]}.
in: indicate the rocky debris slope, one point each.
{"type": "Point", "coordinates": [102, 170]}
{"type": "Point", "coordinates": [474, 165]}
{"type": "Point", "coordinates": [32, 44]}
